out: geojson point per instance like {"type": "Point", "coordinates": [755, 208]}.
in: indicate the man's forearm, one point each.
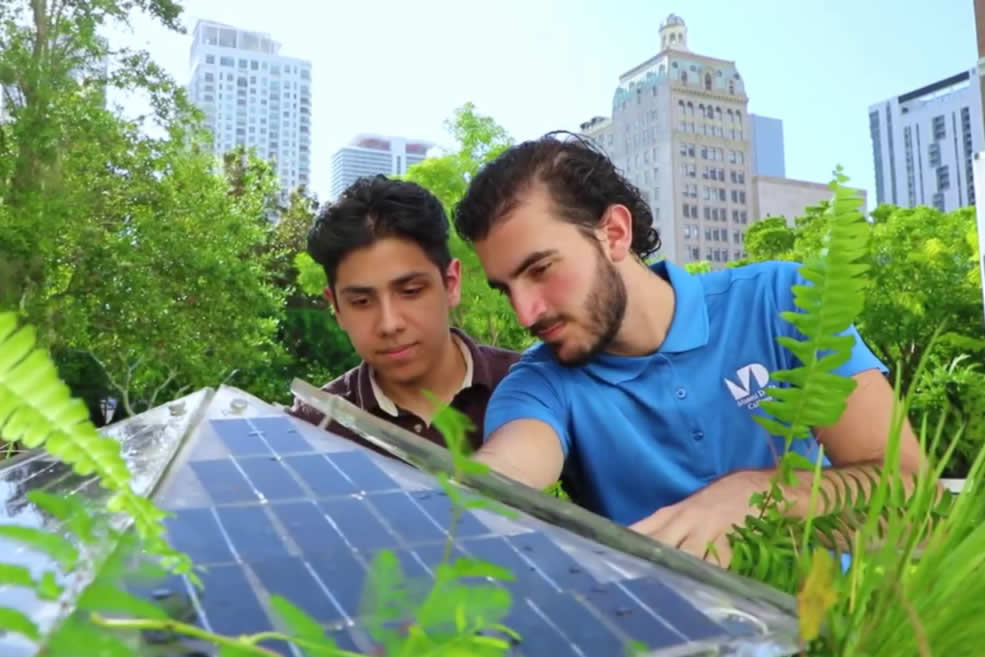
{"type": "Point", "coordinates": [839, 489]}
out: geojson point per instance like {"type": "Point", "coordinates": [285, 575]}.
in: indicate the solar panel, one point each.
{"type": "Point", "coordinates": [272, 505]}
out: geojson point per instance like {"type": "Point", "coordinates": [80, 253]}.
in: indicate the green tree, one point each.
{"type": "Point", "coordinates": [769, 239]}
{"type": "Point", "coordinates": [924, 276]}
{"type": "Point", "coordinates": [54, 72]}
{"type": "Point", "coordinates": [142, 255]}
{"type": "Point", "coordinates": [483, 312]}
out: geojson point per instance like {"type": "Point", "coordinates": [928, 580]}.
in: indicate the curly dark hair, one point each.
{"type": "Point", "coordinates": [582, 180]}
{"type": "Point", "coordinates": [373, 208]}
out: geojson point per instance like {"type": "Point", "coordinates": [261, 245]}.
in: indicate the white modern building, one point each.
{"type": "Point", "coordinates": [923, 142]}
{"type": "Point", "coordinates": [372, 154]}
{"type": "Point", "coordinates": [255, 97]}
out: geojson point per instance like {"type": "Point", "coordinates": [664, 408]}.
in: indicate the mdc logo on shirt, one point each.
{"type": "Point", "coordinates": [743, 391]}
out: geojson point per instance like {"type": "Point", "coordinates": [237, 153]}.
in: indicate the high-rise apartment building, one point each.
{"type": "Point", "coordinates": [923, 141]}
{"type": "Point", "coordinates": [680, 131]}
{"type": "Point", "coordinates": [255, 97]}
{"type": "Point", "coordinates": [370, 154]}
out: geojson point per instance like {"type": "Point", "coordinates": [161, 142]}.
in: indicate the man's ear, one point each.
{"type": "Point", "coordinates": [616, 232]}
{"type": "Point", "coordinates": [453, 282]}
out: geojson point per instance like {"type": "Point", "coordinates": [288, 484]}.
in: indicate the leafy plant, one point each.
{"type": "Point", "coordinates": [815, 395]}
{"type": "Point", "coordinates": [914, 551]}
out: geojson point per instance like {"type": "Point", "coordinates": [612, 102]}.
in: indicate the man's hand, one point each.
{"type": "Point", "coordinates": [706, 516]}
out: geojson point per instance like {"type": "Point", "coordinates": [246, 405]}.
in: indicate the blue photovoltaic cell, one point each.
{"type": "Point", "coordinates": [555, 562]}
{"type": "Point", "coordinates": [528, 580]}
{"type": "Point", "coordinates": [239, 437]}
{"type": "Point", "coordinates": [580, 626]}
{"type": "Point", "coordinates": [251, 533]}
{"type": "Point", "coordinates": [281, 434]}
{"type": "Point", "coordinates": [674, 609]}
{"type": "Point", "coordinates": [627, 615]}
{"type": "Point", "coordinates": [289, 578]}
{"type": "Point", "coordinates": [406, 518]}
{"type": "Point", "coordinates": [307, 526]}
{"type": "Point", "coordinates": [537, 638]}
{"type": "Point", "coordinates": [196, 532]}
{"type": "Point", "coordinates": [271, 478]}
{"type": "Point", "coordinates": [356, 521]}
{"type": "Point", "coordinates": [343, 575]}
{"type": "Point", "coordinates": [438, 506]}
{"type": "Point", "coordinates": [433, 554]}
{"type": "Point", "coordinates": [223, 481]}
{"type": "Point", "coordinates": [359, 467]}
{"type": "Point", "coordinates": [229, 603]}
{"type": "Point", "coordinates": [322, 477]}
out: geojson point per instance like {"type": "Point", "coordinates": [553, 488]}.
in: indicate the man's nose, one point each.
{"type": "Point", "coordinates": [528, 307]}
{"type": "Point", "coordinates": [391, 319]}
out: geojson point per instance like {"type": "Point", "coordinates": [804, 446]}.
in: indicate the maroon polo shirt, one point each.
{"type": "Point", "coordinates": [489, 366]}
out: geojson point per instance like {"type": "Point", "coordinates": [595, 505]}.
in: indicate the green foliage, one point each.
{"type": "Point", "coordinates": [914, 550]}
{"type": "Point", "coordinates": [767, 546]}
{"type": "Point", "coordinates": [36, 409]}
{"type": "Point", "coordinates": [483, 313]}
{"type": "Point", "coordinates": [769, 239]}
{"type": "Point", "coordinates": [141, 255]}
{"type": "Point", "coordinates": [924, 273]}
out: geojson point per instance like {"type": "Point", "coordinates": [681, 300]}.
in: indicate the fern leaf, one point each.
{"type": "Point", "coordinates": [13, 575]}
{"type": "Point", "coordinates": [37, 409]}
{"type": "Point", "coordinates": [12, 620]}
{"type": "Point", "coordinates": [57, 547]}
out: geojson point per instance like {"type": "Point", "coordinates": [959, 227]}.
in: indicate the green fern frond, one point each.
{"type": "Point", "coordinates": [828, 307]}
{"type": "Point", "coordinates": [38, 410]}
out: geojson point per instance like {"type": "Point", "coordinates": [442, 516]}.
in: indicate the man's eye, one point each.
{"type": "Point", "coordinates": [362, 301]}
{"type": "Point", "coordinates": [412, 291]}
{"type": "Point", "coordinates": [540, 270]}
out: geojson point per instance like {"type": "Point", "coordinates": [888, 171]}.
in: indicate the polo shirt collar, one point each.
{"type": "Point", "coordinates": [688, 328]}
{"type": "Point", "coordinates": [476, 371]}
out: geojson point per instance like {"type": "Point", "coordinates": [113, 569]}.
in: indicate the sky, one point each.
{"type": "Point", "coordinates": [401, 68]}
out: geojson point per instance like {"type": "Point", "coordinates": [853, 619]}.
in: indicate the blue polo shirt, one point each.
{"type": "Point", "coordinates": [642, 432]}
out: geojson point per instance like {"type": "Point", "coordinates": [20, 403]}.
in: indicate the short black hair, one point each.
{"type": "Point", "coordinates": [373, 208]}
{"type": "Point", "coordinates": [582, 180]}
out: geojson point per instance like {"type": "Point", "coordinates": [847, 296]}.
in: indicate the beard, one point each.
{"type": "Point", "coordinates": [604, 310]}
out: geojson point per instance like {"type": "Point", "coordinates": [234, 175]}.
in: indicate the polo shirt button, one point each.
{"type": "Point", "coordinates": [681, 393]}
{"type": "Point", "coordinates": [698, 434]}
{"type": "Point", "coordinates": [418, 427]}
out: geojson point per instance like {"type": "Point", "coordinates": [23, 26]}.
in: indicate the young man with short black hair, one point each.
{"type": "Point", "coordinates": [391, 284]}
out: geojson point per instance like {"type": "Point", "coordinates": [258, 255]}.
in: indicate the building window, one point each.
{"type": "Point", "coordinates": [210, 59]}
{"type": "Point", "coordinates": [687, 210]}
{"type": "Point", "coordinates": [939, 128]}
{"type": "Point", "coordinates": [933, 155]}
{"type": "Point", "coordinates": [683, 77]}
{"type": "Point", "coordinates": [708, 81]}
{"type": "Point", "coordinates": [226, 61]}
{"type": "Point", "coordinates": [943, 178]}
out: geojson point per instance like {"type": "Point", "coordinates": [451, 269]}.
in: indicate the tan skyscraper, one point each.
{"type": "Point", "coordinates": [680, 131]}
